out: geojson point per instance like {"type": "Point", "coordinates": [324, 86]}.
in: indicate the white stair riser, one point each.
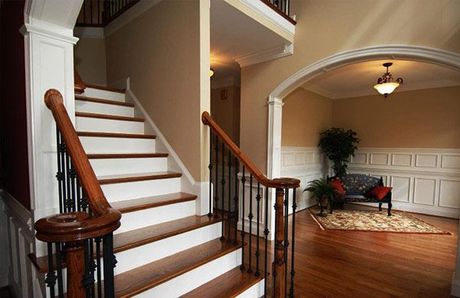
{"type": "Point", "coordinates": [256, 291]}
{"type": "Point", "coordinates": [102, 108]}
{"type": "Point", "coordinates": [117, 145]}
{"type": "Point", "coordinates": [115, 166]}
{"type": "Point", "coordinates": [141, 255]}
{"type": "Point", "coordinates": [108, 125]}
{"type": "Point", "coordinates": [152, 216]}
{"type": "Point", "coordinates": [104, 94]}
{"type": "Point", "coordinates": [132, 190]}
{"type": "Point", "coordinates": [192, 279]}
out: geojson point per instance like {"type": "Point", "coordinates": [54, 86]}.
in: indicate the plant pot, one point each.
{"type": "Point", "coordinates": [323, 203]}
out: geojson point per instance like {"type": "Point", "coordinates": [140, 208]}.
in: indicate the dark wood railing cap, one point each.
{"type": "Point", "coordinates": [248, 163]}
{"type": "Point", "coordinates": [287, 182]}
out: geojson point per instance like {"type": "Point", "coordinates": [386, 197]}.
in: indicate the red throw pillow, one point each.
{"type": "Point", "coordinates": [380, 192]}
{"type": "Point", "coordinates": [338, 186]}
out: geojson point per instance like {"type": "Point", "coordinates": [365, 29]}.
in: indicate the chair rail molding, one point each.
{"type": "Point", "coordinates": [396, 51]}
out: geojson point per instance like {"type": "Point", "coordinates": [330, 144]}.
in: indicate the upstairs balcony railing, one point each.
{"type": "Point", "coordinates": [99, 13]}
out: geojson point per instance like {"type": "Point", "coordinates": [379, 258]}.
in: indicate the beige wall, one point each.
{"type": "Point", "coordinates": [160, 52]}
{"type": "Point", "coordinates": [90, 60]}
{"type": "Point", "coordinates": [328, 27]}
{"type": "Point", "coordinates": [226, 111]}
{"type": "Point", "coordinates": [428, 118]}
{"type": "Point", "coordinates": [305, 115]}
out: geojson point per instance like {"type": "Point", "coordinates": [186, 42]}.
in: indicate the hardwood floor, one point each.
{"type": "Point", "coordinates": [367, 264]}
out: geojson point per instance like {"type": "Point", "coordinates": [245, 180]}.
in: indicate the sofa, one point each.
{"type": "Point", "coordinates": [360, 188]}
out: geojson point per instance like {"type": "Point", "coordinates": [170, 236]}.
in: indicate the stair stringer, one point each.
{"type": "Point", "coordinates": [188, 183]}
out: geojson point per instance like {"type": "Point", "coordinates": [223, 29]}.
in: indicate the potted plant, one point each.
{"type": "Point", "coordinates": [338, 144]}
{"type": "Point", "coordinates": [323, 191]}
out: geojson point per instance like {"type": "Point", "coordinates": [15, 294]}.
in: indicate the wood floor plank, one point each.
{"type": "Point", "coordinates": [153, 201]}
{"type": "Point", "coordinates": [230, 284]}
{"type": "Point", "coordinates": [108, 117]}
{"type": "Point", "coordinates": [123, 178]}
{"type": "Point", "coordinates": [114, 135]}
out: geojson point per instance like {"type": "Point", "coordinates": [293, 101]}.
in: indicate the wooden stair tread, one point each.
{"type": "Point", "coordinates": [135, 238]}
{"type": "Point", "coordinates": [153, 201]}
{"type": "Point", "coordinates": [229, 284]}
{"type": "Point", "coordinates": [104, 101]}
{"type": "Point", "coordinates": [109, 117]}
{"type": "Point", "coordinates": [125, 155]}
{"type": "Point", "coordinates": [111, 179]}
{"type": "Point", "coordinates": [148, 276]}
{"type": "Point", "coordinates": [114, 135]}
{"type": "Point", "coordinates": [100, 87]}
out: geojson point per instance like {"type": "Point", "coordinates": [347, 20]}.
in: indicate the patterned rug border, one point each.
{"type": "Point", "coordinates": [374, 231]}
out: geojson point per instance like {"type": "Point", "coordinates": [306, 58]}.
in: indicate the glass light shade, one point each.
{"type": "Point", "coordinates": [386, 88]}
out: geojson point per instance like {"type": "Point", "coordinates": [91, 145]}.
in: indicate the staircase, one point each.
{"type": "Point", "coordinates": [163, 249]}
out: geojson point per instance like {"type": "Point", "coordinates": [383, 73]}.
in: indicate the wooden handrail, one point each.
{"type": "Point", "coordinates": [264, 180]}
{"type": "Point", "coordinates": [77, 225]}
{"type": "Point", "coordinates": [79, 85]}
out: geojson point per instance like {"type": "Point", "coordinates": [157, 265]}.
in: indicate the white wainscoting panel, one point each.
{"type": "Point", "coordinates": [305, 164]}
{"type": "Point", "coordinates": [449, 193]}
{"type": "Point", "coordinates": [425, 191]}
{"type": "Point", "coordinates": [22, 277]}
{"type": "Point", "coordinates": [423, 180]}
{"type": "Point", "coordinates": [401, 188]}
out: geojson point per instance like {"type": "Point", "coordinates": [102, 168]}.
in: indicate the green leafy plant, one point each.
{"type": "Point", "coordinates": [339, 145]}
{"type": "Point", "coordinates": [322, 191]}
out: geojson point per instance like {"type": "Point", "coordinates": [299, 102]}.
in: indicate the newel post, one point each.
{"type": "Point", "coordinates": [74, 256]}
{"type": "Point", "coordinates": [279, 264]}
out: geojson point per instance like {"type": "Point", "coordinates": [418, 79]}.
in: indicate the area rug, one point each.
{"type": "Point", "coordinates": [373, 221]}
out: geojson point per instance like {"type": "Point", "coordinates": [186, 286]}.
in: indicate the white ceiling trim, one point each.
{"type": "Point", "coordinates": [265, 55]}
{"type": "Point", "coordinates": [265, 15]}
{"type": "Point", "coordinates": [370, 91]}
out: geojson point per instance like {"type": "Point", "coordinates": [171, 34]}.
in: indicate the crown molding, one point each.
{"type": "Point", "coordinates": [265, 55]}
{"type": "Point", "coordinates": [49, 31]}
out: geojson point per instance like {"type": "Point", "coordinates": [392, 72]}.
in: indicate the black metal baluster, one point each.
{"type": "Point", "coordinates": [59, 260]}
{"type": "Point", "coordinates": [223, 191]}
{"type": "Point", "coordinates": [250, 217]}
{"type": "Point", "coordinates": [243, 181]}
{"type": "Point", "coordinates": [99, 3]}
{"type": "Point", "coordinates": [235, 201]}
{"type": "Point", "coordinates": [87, 282]}
{"type": "Point", "coordinates": [286, 236]}
{"type": "Point", "coordinates": [91, 11]}
{"type": "Point", "coordinates": [73, 175]}
{"type": "Point", "coordinates": [258, 197]}
{"type": "Point", "coordinates": [98, 266]}
{"type": "Point", "coordinates": [93, 266]}
{"type": "Point", "coordinates": [79, 197]}
{"type": "Point", "coordinates": [294, 207]}
{"type": "Point", "coordinates": [67, 178]}
{"type": "Point", "coordinates": [229, 218]}
{"type": "Point", "coordinates": [210, 174]}
{"type": "Point", "coordinates": [59, 174]}
{"type": "Point", "coordinates": [50, 279]}
{"type": "Point", "coordinates": [109, 264]}
{"type": "Point", "coordinates": [266, 231]}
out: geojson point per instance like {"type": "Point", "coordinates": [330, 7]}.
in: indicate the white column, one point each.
{"type": "Point", "coordinates": [275, 114]}
{"type": "Point", "coordinates": [49, 64]}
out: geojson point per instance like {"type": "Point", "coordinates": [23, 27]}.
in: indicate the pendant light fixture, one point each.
{"type": "Point", "coordinates": [385, 84]}
{"type": "Point", "coordinates": [211, 72]}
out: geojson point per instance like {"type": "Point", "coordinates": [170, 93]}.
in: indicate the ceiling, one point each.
{"type": "Point", "coordinates": [234, 34]}
{"type": "Point", "coordinates": [358, 79]}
